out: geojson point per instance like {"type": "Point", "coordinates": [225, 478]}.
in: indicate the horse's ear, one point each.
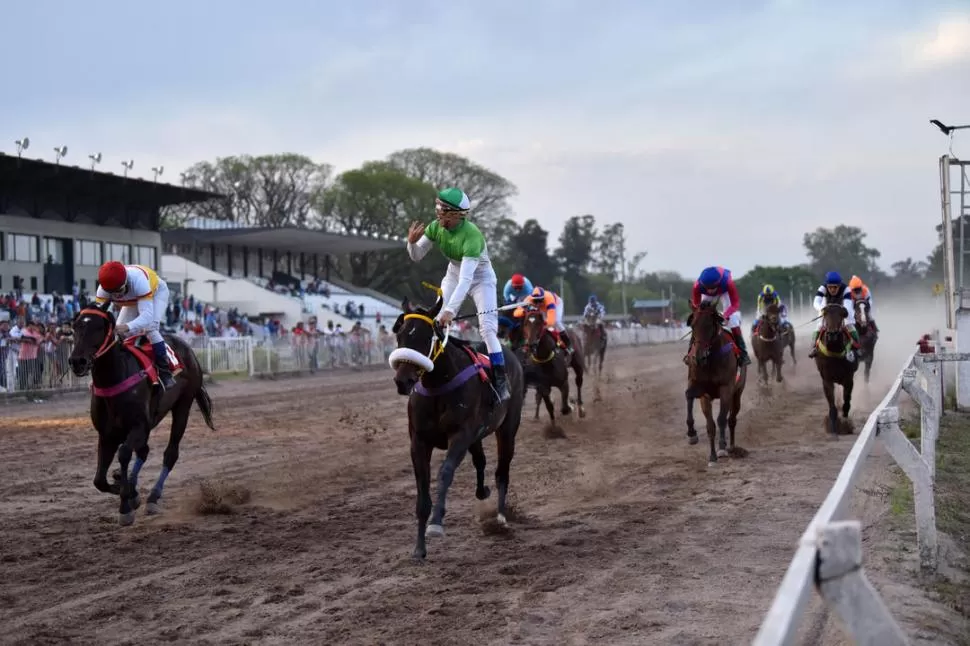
{"type": "Point", "coordinates": [438, 304]}
{"type": "Point", "coordinates": [397, 324]}
{"type": "Point", "coordinates": [105, 306]}
{"type": "Point", "coordinates": [406, 304]}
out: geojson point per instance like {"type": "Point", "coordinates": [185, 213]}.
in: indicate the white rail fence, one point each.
{"type": "Point", "coordinates": [828, 558]}
{"type": "Point", "coordinates": [47, 370]}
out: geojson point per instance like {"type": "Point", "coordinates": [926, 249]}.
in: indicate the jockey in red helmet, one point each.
{"type": "Point", "coordinates": [517, 289]}
{"type": "Point", "coordinates": [143, 297]}
{"type": "Point", "coordinates": [716, 283]}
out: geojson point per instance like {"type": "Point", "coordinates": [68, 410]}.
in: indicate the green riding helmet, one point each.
{"type": "Point", "coordinates": [453, 199]}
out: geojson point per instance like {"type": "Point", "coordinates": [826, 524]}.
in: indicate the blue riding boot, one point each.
{"type": "Point", "coordinates": [161, 365]}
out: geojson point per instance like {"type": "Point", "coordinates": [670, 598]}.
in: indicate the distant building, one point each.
{"type": "Point", "coordinates": [652, 312]}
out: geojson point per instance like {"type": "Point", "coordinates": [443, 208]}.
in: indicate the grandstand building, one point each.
{"type": "Point", "coordinates": [273, 272]}
{"type": "Point", "coordinates": [59, 223]}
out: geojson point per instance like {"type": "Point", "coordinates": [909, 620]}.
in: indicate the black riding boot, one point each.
{"type": "Point", "coordinates": [738, 335]}
{"type": "Point", "coordinates": [501, 382]}
{"type": "Point", "coordinates": [566, 341]}
{"type": "Point", "coordinates": [161, 365]}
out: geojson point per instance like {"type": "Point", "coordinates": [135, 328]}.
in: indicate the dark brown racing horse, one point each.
{"type": "Point", "coordinates": [868, 335]}
{"type": "Point", "coordinates": [836, 362]}
{"type": "Point", "coordinates": [714, 372]}
{"type": "Point", "coordinates": [594, 340]}
{"type": "Point", "coordinates": [768, 340]}
{"type": "Point", "coordinates": [452, 406]}
{"type": "Point", "coordinates": [127, 402]}
{"type": "Point", "coordinates": [552, 363]}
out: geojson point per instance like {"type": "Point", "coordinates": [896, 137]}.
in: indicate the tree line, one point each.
{"type": "Point", "coordinates": [383, 197]}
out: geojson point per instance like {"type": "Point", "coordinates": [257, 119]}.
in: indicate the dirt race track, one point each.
{"type": "Point", "coordinates": [620, 532]}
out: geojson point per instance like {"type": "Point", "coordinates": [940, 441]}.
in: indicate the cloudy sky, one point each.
{"type": "Point", "coordinates": [733, 127]}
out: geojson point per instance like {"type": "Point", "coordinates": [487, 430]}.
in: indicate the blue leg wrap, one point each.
{"type": "Point", "coordinates": [497, 358]}
{"type": "Point", "coordinates": [135, 470]}
{"type": "Point", "coordinates": [160, 483]}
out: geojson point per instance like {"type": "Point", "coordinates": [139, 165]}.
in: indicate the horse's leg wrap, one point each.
{"type": "Point", "coordinates": [156, 492]}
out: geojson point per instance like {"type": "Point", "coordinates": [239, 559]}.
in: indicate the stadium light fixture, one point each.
{"type": "Point", "coordinates": [58, 153]}
{"type": "Point", "coordinates": [157, 170]}
{"type": "Point", "coordinates": [22, 145]}
{"type": "Point", "coordinates": [95, 159]}
{"type": "Point", "coordinates": [948, 130]}
{"type": "Point", "coordinates": [128, 165]}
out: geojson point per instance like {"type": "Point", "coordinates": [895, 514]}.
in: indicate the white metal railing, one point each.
{"type": "Point", "coordinates": [829, 554]}
{"type": "Point", "coordinates": [47, 370]}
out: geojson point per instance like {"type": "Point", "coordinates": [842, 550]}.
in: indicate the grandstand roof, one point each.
{"type": "Point", "coordinates": [293, 239]}
{"type": "Point", "coordinates": [21, 173]}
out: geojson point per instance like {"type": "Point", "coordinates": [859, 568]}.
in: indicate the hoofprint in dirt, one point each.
{"type": "Point", "coordinates": [621, 533]}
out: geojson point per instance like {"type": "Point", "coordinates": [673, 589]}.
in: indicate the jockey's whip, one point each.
{"type": "Point", "coordinates": [504, 308]}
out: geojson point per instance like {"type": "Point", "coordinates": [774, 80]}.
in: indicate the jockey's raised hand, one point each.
{"type": "Point", "coordinates": [415, 231]}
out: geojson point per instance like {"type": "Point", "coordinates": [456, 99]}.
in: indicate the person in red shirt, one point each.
{"type": "Point", "coordinates": [716, 283]}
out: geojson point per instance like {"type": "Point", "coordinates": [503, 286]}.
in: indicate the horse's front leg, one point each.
{"type": "Point", "coordinates": [691, 431]}
{"type": "Point", "coordinates": [847, 398]}
{"type": "Point", "coordinates": [106, 455]}
{"type": "Point", "coordinates": [707, 407]}
{"type": "Point", "coordinates": [135, 443]}
{"type": "Point", "coordinates": [724, 407]}
{"type": "Point", "coordinates": [539, 398]}
{"type": "Point", "coordinates": [566, 409]}
{"type": "Point", "coordinates": [579, 391]}
{"type": "Point", "coordinates": [829, 388]}
{"type": "Point", "coordinates": [459, 445]}
{"type": "Point", "coordinates": [421, 463]}
{"type": "Point", "coordinates": [482, 492]}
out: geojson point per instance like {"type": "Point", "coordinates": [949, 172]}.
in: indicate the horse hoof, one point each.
{"type": "Point", "coordinates": [483, 494]}
{"type": "Point", "coordinates": [712, 463]}
{"type": "Point", "coordinates": [582, 413]}
{"type": "Point", "coordinates": [434, 530]}
{"type": "Point", "coordinates": [500, 519]}
{"type": "Point", "coordinates": [126, 519]}
{"type": "Point", "coordinates": [153, 509]}
{"type": "Point", "coordinates": [722, 453]}
{"type": "Point", "coordinates": [419, 555]}
{"type": "Point", "coordinates": [135, 502]}
{"type": "Point", "coordinates": [692, 439]}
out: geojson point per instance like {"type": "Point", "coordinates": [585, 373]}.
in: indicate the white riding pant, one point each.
{"type": "Point", "coordinates": [560, 313]}
{"type": "Point", "coordinates": [152, 330]}
{"type": "Point", "coordinates": [484, 292]}
{"type": "Point", "coordinates": [724, 301]}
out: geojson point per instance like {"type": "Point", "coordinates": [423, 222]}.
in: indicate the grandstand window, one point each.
{"type": "Point", "coordinates": [120, 252]}
{"type": "Point", "coordinates": [54, 250]}
{"type": "Point", "coordinates": [145, 256]}
{"type": "Point", "coordinates": [22, 248]}
{"type": "Point", "coordinates": [87, 253]}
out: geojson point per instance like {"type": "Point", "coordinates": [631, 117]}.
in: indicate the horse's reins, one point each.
{"type": "Point", "coordinates": [552, 353]}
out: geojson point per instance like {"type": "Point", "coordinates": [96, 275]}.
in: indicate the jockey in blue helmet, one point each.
{"type": "Point", "coordinates": [716, 283]}
{"type": "Point", "coordinates": [834, 290]}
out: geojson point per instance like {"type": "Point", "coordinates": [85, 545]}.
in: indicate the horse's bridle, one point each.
{"type": "Point", "coordinates": [534, 318]}
{"type": "Point", "coordinates": [110, 338]}
{"type": "Point", "coordinates": [439, 339]}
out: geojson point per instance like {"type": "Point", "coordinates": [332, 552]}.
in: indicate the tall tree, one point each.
{"type": "Point", "coordinates": [266, 191]}
{"type": "Point", "coordinates": [841, 249]}
{"type": "Point", "coordinates": [488, 191]}
{"type": "Point", "coordinates": [379, 200]}
{"type": "Point", "coordinates": [610, 250]}
{"type": "Point", "coordinates": [529, 248]}
{"type": "Point", "coordinates": [576, 243]}
{"type": "Point", "coordinates": [909, 272]}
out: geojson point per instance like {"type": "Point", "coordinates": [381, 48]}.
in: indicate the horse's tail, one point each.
{"type": "Point", "coordinates": [205, 405]}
